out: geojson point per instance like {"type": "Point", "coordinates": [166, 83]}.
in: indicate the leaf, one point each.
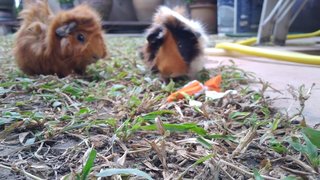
{"type": "Point", "coordinates": [178, 128]}
{"type": "Point", "coordinates": [199, 161]}
{"type": "Point", "coordinates": [266, 112]}
{"type": "Point", "coordinates": [115, 90]}
{"type": "Point", "coordinates": [83, 111]}
{"type": "Point", "coordinates": [7, 84]}
{"type": "Point", "coordinates": [186, 127]}
{"type": "Point", "coordinates": [312, 152]}
{"type": "Point", "coordinates": [4, 91]}
{"type": "Point", "coordinates": [13, 115]}
{"type": "Point", "coordinates": [89, 164]}
{"type": "Point", "coordinates": [30, 141]}
{"type": "Point", "coordinates": [277, 146]}
{"type": "Point", "coordinates": [238, 115]}
{"type": "Point", "coordinates": [49, 85]}
{"type": "Point", "coordinates": [65, 117]}
{"type": "Point", "coordinates": [257, 175]}
{"type": "Point", "coordinates": [296, 144]}
{"type": "Point", "coordinates": [122, 75]}
{"type": "Point", "coordinates": [74, 91]}
{"type": "Point", "coordinates": [90, 98]}
{"type": "Point", "coordinates": [112, 122]}
{"type": "Point", "coordinates": [74, 126]}
{"type": "Point", "coordinates": [256, 96]}
{"type": "Point", "coordinates": [308, 149]}
{"type": "Point", "coordinates": [117, 87]}
{"type": "Point", "coordinates": [204, 142]}
{"type": "Point", "coordinates": [5, 121]}
{"type": "Point", "coordinates": [20, 103]}
{"type": "Point", "coordinates": [110, 172]}
{"type": "Point", "coordinates": [203, 159]}
{"type": "Point", "coordinates": [24, 80]}
{"type": "Point", "coordinates": [290, 178]}
{"type": "Point", "coordinates": [169, 87]}
{"type": "Point", "coordinates": [8, 117]}
{"type": "Point", "coordinates": [275, 123]}
{"type": "Point", "coordinates": [152, 115]}
{"type": "Point", "coordinates": [37, 116]}
{"type": "Point", "coordinates": [134, 101]}
{"type": "Point", "coordinates": [313, 135]}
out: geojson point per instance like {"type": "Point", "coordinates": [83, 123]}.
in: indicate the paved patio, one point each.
{"type": "Point", "coordinates": [282, 74]}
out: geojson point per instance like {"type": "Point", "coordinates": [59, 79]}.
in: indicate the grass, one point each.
{"type": "Point", "coordinates": [115, 121]}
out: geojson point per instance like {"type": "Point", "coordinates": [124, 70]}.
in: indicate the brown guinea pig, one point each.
{"type": "Point", "coordinates": [58, 44]}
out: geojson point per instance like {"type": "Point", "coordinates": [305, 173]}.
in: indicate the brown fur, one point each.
{"type": "Point", "coordinates": [168, 59]}
{"type": "Point", "coordinates": [39, 50]}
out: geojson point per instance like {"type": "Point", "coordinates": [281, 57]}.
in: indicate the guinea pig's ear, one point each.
{"type": "Point", "coordinates": [156, 35]}
{"type": "Point", "coordinates": [197, 34]}
{"type": "Point", "coordinates": [66, 29]}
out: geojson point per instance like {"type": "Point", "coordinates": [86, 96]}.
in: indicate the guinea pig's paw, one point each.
{"type": "Point", "coordinates": [156, 35]}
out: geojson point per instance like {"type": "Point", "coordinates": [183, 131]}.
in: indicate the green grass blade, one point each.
{"type": "Point", "coordinates": [199, 161]}
{"type": "Point", "coordinates": [204, 142]}
{"type": "Point", "coordinates": [313, 135]}
{"type": "Point", "coordinates": [257, 175]}
{"type": "Point", "coordinates": [238, 115]}
{"type": "Point", "coordinates": [203, 159]}
{"type": "Point", "coordinates": [275, 124]}
{"type": "Point", "coordinates": [290, 178]}
{"type": "Point", "coordinates": [152, 115]}
{"type": "Point", "coordinates": [312, 152]}
{"type": "Point", "coordinates": [89, 164]}
{"type": "Point", "coordinates": [221, 136]}
{"type": "Point", "coordinates": [178, 128]}
{"type": "Point", "coordinates": [296, 144]}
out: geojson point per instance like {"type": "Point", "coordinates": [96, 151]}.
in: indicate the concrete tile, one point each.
{"type": "Point", "coordinates": [281, 74]}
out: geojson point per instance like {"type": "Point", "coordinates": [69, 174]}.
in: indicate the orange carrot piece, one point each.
{"type": "Point", "coordinates": [195, 87]}
{"type": "Point", "coordinates": [192, 88]}
{"type": "Point", "coordinates": [214, 83]}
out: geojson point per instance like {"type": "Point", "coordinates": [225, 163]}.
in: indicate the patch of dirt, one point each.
{"type": "Point", "coordinates": [49, 126]}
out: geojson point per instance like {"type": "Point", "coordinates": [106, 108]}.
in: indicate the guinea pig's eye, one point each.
{"type": "Point", "coordinates": [81, 38]}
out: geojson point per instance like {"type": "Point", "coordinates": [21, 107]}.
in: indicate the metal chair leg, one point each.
{"type": "Point", "coordinates": [267, 20]}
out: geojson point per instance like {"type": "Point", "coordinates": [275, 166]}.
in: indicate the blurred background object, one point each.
{"type": "Point", "coordinates": [308, 19]}
{"type": "Point", "coordinates": [7, 13]}
{"type": "Point", "coordinates": [204, 11]}
{"type": "Point", "coordinates": [231, 17]}
{"type": "Point", "coordinates": [102, 6]}
{"type": "Point", "coordinates": [66, 4]}
{"type": "Point", "coordinates": [145, 9]}
{"type": "Point", "coordinates": [238, 16]}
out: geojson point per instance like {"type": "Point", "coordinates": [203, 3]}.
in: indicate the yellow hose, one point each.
{"type": "Point", "coordinates": [305, 35]}
{"type": "Point", "coordinates": [244, 48]}
{"type": "Point", "coordinates": [247, 42]}
{"type": "Point", "coordinates": [251, 41]}
{"type": "Point", "coordinates": [273, 54]}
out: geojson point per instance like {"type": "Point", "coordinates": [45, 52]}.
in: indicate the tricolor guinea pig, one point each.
{"type": "Point", "coordinates": [174, 44]}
